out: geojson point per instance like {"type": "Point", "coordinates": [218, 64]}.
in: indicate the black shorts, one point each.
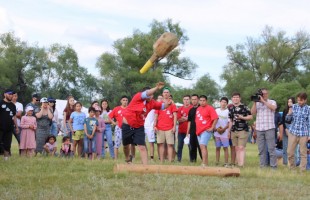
{"type": "Point", "coordinates": [133, 135]}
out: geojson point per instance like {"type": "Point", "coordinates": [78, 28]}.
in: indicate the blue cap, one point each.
{"type": "Point", "coordinates": [9, 91]}
{"type": "Point", "coordinates": [51, 99]}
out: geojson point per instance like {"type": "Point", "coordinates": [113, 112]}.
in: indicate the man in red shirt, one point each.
{"type": "Point", "coordinates": [117, 114]}
{"type": "Point", "coordinates": [183, 123]}
{"type": "Point", "coordinates": [206, 119]}
{"type": "Point", "coordinates": [133, 119]}
{"type": "Point", "coordinates": [165, 122]}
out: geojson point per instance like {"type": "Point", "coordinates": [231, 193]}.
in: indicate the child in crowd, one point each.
{"type": "Point", "coordinates": [29, 126]}
{"type": "Point", "coordinates": [50, 147]}
{"type": "Point", "coordinates": [66, 148]}
{"type": "Point", "coordinates": [76, 123]}
{"type": "Point", "coordinates": [99, 130]}
{"type": "Point", "coordinates": [90, 126]}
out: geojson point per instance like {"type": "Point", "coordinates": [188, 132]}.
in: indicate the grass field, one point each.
{"type": "Point", "coordinates": [57, 178]}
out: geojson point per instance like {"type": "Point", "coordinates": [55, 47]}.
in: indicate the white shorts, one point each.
{"type": "Point", "coordinates": [150, 133]}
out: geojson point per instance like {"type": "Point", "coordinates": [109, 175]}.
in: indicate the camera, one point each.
{"type": "Point", "coordinates": [257, 95]}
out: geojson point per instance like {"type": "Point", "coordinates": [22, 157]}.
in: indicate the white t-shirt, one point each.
{"type": "Point", "coordinates": [149, 120]}
{"type": "Point", "coordinates": [222, 121]}
{"type": "Point", "coordinates": [19, 108]}
{"type": "Point", "coordinates": [55, 117]}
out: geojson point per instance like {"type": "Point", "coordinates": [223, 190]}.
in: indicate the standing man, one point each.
{"type": "Point", "coordinates": [206, 119]}
{"type": "Point", "coordinates": [165, 122]}
{"type": "Point", "coordinates": [191, 130]}
{"type": "Point", "coordinates": [133, 120]}
{"type": "Point", "coordinates": [239, 114]}
{"type": "Point", "coordinates": [35, 101]}
{"type": "Point", "coordinates": [117, 115]}
{"type": "Point", "coordinates": [7, 122]}
{"type": "Point", "coordinates": [149, 128]}
{"type": "Point", "coordinates": [265, 127]}
{"type": "Point", "coordinates": [299, 131]}
{"type": "Point", "coordinates": [19, 111]}
{"type": "Point", "coordinates": [183, 123]}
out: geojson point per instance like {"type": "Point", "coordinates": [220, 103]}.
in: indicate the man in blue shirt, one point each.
{"type": "Point", "coordinates": [299, 131]}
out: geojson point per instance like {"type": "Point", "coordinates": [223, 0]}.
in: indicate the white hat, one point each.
{"type": "Point", "coordinates": [44, 100]}
{"type": "Point", "coordinates": [28, 108]}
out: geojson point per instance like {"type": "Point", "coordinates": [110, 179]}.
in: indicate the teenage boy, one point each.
{"type": "Point", "coordinates": [239, 114]}
{"type": "Point", "coordinates": [133, 120]}
{"type": "Point", "coordinates": [221, 133]}
{"type": "Point", "coordinates": [117, 114]}
{"type": "Point", "coordinates": [206, 118]}
{"type": "Point", "coordinates": [183, 123]}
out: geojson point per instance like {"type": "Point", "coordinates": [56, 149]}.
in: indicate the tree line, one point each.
{"type": "Point", "coordinates": [274, 60]}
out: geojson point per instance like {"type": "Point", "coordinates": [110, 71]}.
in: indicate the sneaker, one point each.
{"type": "Point", "coordinates": [232, 165]}
{"type": "Point", "coordinates": [6, 158]}
{"type": "Point", "coordinates": [226, 165]}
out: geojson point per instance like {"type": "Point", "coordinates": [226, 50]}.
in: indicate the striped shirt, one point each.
{"type": "Point", "coordinates": [301, 122]}
{"type": "Point", "coordinates": [265, 116]}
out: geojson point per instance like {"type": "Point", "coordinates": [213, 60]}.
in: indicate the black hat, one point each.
{"type": "Point", "coordinates": [36, 96]}
{"type": "Point", "coordinates": [9, 91]}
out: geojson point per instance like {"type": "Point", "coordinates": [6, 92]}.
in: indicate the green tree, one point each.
{"type": "Point", "coordinates": [266, 61]}
{"type": "Point", "coordinates": [120, 71]}
{"type": "Point", "coordinates": [56, 72]}
{"type": "Point", "coordinates": [205, 85]}
{"type": "Point", "coordinates": [15, 57]}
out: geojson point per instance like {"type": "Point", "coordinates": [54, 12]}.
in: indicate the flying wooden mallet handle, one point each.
{"type": "Point", "coordinates": [165, 44]}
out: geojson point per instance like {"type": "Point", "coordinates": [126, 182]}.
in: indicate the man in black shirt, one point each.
{"type": "Point", "coordinates": [239, 114]}
{"type": "Point", "coordinates": [7, 122]}
{"type": "Point", "coordinates": [191, 130]}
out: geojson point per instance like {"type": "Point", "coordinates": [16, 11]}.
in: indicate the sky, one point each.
{"type": "Point", "coordinates": [92, 26]}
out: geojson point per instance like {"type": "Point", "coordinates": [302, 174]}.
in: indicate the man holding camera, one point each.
{"type": "Point", "coordinates": [265, 127]}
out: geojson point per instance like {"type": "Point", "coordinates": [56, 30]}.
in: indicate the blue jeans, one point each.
{"type": "Point", "coordinates": [89, 145]}
{"type": "Point", "coordinates": [284, 146]}
{"type": "Point", "coordinates": [181, 137]}
{"type": "Point", "coordinates": [54, 129]}
{"type": "Point", "coordinates": [108, 134]}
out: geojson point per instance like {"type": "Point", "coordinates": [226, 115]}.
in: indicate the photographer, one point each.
{"type": "Point", "coordinates": [265, 112]}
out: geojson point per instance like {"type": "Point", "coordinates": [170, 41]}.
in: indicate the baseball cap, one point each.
{"type": "Point", "coordinates": [9, 91]}
{"type": "Point", "coordinates": [29, 108]}
{"type": "Point", "coordinates": [51, 99]}
{"type": "Point", "coordinates": [36, 96]}
{"type": "Point", "coordinates": [44, 100]}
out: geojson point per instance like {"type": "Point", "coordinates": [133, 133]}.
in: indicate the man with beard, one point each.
{"type": "Point", "coordinates": [7, 122]}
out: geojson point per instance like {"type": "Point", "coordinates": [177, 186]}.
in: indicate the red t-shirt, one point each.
{"type": "Point", "coordinates": [117, 113]}
{"type": "Point", "coordinates": [183, 112]}
{"type": "Point", "coordinates": [165, 120]}
{"type": "Point", "coordinates": [204, 118]}
{"type": "Point", "coordinates": [137, 110]}
{"type": "Point", "coordinates": [68, 113]}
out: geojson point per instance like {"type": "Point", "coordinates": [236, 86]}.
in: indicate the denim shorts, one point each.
{"type": "Point", "coordinates": [204, 138]}
{"type": "Point", "coordinates": [221, 142]}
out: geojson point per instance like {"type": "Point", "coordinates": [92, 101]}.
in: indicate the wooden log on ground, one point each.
{"type": "Point", "coordinates": [175, 169]}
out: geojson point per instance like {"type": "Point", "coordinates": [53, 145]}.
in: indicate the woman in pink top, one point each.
{"type": "Point", "coordinates": [29, 125]}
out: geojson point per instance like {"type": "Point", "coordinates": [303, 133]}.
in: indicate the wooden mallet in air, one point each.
{"type": "Point", "coordinates": [165, 44]}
